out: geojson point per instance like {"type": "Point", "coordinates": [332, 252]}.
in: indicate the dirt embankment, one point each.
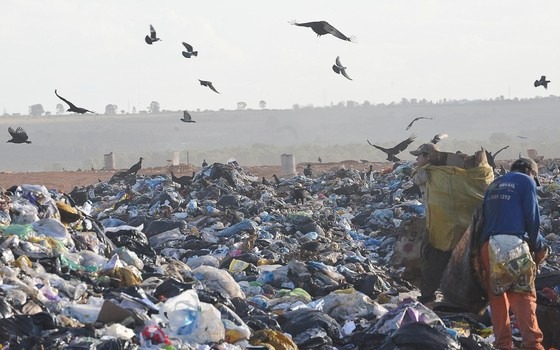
{"type": "Point", "coordinates": [65, 181]}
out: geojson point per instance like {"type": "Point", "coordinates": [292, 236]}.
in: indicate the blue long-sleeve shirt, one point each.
{"type": "Point", "coordinates": [511, 207]}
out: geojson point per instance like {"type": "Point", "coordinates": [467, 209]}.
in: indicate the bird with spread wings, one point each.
{"type": "Point", "coordinates": [208, 84]}
{"type": "Point", "coordinates": [189, 51]}
{"type": "Point", "coordinates": [437, 138]}
{"type": "Point", "coordinates": [415, 119]}
{"type": "Point", "coordinates": [322, 28]}
{"type": "Point", "coordinates": [491, 157]}
{"type": "Point", "coordinates": [187, 118]}
{"type": "Point", "coordinates": [72, 106]}
{"type": "Point", "coordinates": [18, 135]}
{"type": "Point", "coordinates": [393, 151]}
{"type": "Point", "coordinates": [338, 68]}
{"type": "Point", "coordinates": [152, 38]}
{"type": "Point", "coordinates": [542, 82]}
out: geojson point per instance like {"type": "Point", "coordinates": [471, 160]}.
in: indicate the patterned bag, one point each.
{"type": "Point", "coordinates": [511, 265]}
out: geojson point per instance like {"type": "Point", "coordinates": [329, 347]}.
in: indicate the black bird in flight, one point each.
{"type": "Point", "coordinates": [391, 152]}
{"type": "Point", "coordinates": [152, 38]}
{"type": "Point", "coordinates": [438, 138]}
{"type": "Point", "coordinates": [72, 106]}
{"type": "Point", "coordinates": [18, 135]}
{"type": "Point", "coordinates": [135, 168]}
{"type": "Point", "coordinates": [522, 137]}
{"type": "Point", "coordinates": [189, 52]}
{"type": "Point", "coordinates": [187, 118]}
{"type": "Point", "coordinates": [209, 84]}
{"type": "Point", "coordinates": [542, 82]}
{"type": "Point", "coordinates": [322, 28]}
{"type": "Point", "coordinates": [491, 157]}
{"type": "Point", "coordinates": [340, 69]}
{"type": "Point", "coordinates": [415, 119]}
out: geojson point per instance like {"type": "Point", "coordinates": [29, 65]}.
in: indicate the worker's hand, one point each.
{"type": "Point", "coordinates": [542, 254]}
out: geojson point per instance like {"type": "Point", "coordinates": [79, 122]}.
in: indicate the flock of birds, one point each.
{"type": "Point", "coordinates": [188, 53]}
{"type": "Point", "coordinates": [19, 135]}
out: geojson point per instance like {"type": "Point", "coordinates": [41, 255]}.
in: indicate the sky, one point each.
{"type": "Point", "coordinates": [94, 52]}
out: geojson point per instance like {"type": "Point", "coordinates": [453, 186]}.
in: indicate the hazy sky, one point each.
{"type": "Point", "coordinates": [94, 52]}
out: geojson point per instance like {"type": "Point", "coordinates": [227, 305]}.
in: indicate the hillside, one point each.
{"type": "Point", "coordinates": [256, 137]}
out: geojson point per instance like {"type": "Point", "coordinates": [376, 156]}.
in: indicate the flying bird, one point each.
{"type": "Point", "coordinates": [438, 138]}
{"type": "Point", "coordinates": [542, 82]}
{"type": "Point", "coordinates": [18, 135]}
{"type": "Point", "coordinates": [522, 137]}
{"type": "Point", "coordinates": [340, 69]}
{"type": "Point", "coordinates": [322, 28]}
{"type": "Point", "coordinates": [72, 106]}
{"type": "Point", "coordinates": [209, 84]}
{"type": "Point", "coordinates": [189, 52]}
{"type": "Point", "coordinates": [152, 38]}
{"type": "Point", "coordinates": [501, 149]}
{"type": "Point", "coordinates": [135, 168]}
{"type": "Point", "coordinates": [415, 119]}
{"type": "Point", "coordinates": [392, 152]}
{"type": "Point", "coordinates": [187, 118]}
{"type": "Point", "coordinates": [491, 157]}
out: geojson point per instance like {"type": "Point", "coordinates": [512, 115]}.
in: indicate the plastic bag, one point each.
{"type": "Point", "coordinates": [22, 231]}
{"type": "Point", "coordinates": [511, 265]}
{"type": "Point", "coordinates": [452, 195]}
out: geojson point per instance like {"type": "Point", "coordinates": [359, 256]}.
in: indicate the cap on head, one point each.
{"type": "Point", "coordinates": [522, 164]}
{"type": "Point", "coordinates": [425, 148]}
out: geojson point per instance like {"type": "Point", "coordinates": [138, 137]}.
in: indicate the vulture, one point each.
{"type": "Point", "coordinates": [393, 151]}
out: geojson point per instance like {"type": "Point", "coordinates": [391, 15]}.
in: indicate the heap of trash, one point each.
{"type": "Point", "coordinates": [231, 261]}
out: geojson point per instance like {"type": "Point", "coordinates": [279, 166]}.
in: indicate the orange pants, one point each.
{"type": "Point", "coordinates": [522, 305]}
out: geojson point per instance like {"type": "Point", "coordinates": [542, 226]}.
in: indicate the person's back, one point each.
{"type": "Point", "coordinates": [509, 238]}
{"type": "Point", "coordinates": [510, 206]}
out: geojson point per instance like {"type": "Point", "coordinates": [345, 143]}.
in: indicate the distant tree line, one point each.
{"type": "Point", "coordinates": [38, 110]}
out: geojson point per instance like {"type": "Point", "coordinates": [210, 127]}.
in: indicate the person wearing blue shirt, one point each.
{"type": "Point", "coordinates": [509, 238]}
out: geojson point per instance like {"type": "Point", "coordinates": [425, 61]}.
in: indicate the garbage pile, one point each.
{"type": "Point", "coordinates": [227, 261]}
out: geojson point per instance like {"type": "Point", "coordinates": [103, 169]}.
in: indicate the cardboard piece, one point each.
{"type": "Point", "coordinates": [111, 313]}
{"type": "Point", "coordinates": [459, 160]}
{"type": "Point", "coordinates": [533, 154]}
